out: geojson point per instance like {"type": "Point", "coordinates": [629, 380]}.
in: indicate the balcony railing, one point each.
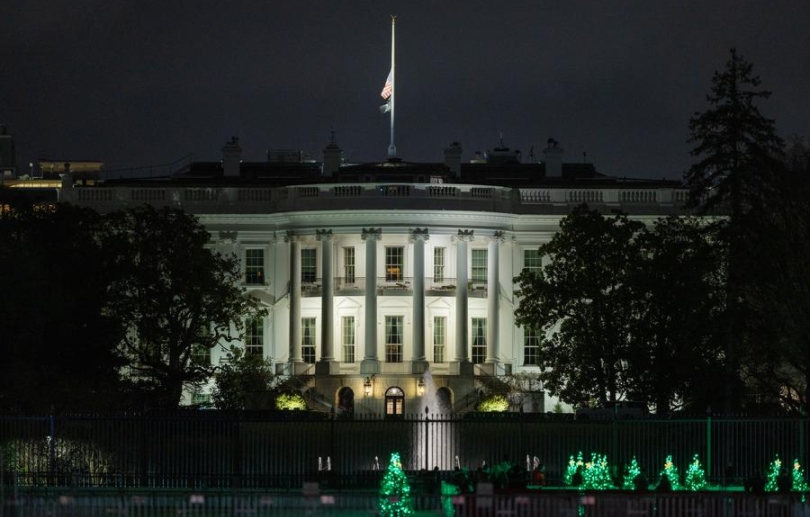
{"type": "Point", "coordinates": [391, 286]}
{"type": "Point", "coordinates": [327, 196]}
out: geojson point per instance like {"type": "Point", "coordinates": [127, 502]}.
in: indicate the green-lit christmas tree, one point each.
{"type": "Point", "coordinates": [395, 492]}
{"type": "Point", "coordinates": [774, 471]}
{"type": "Point", "coordinates": [799, 481]}
{"type": "Point", "coordinates": [630, 474]}
{"type": "Point", "coordinates": [597, 474]}
{"type": "Point", "coordinates": [571, 470]}
{"type": "Point", "coordinates": [671, 471]}
{"type": "Point", "coordinates": [695, 475]}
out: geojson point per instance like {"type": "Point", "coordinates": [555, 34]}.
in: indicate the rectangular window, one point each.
{"type": "Point", "coordinates": [201, 354]}
{"type": "Point", "coordinates": [393, 339]}
{"type": "Point", "coordinates": [479, 267]}
{"type": "Point", "coordinates": [254, 266]}
{"type": "Point", "coordinates": [348, 265]}
{"type": "Point", "coordinates": [394, 263]}
{"type": "Point", "coordinates": [479, 340]}
{"type": "Point", "coordinates": [308, 340]}
{"type": "Point", "coordinates": [438, 264]}
{"type": "Point", "coordinates": [254, 336]}
{"type": "Point", "coordinates": [309, 270]}
{"type": "Point", "coordinates": [532, 261]}
{"type": "Point", "coordinates": [348, 339]}
{"type": "Point", "coordinates": [531, 347]}
{"type": "Point", "coordinates": [439, 338]}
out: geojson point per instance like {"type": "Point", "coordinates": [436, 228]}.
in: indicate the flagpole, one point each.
{"type": "Point", "coordinates": [392, 149]}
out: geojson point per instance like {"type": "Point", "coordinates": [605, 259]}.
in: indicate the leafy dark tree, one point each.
{"type": "Point", "coordinates": [242, 376]}
{"type": "Point", "coordinates": [582, 301]}
{"type": "Point", "coordinates": [679, 289]}
{"type": "Point", "coordinates": [737, 149]}
{"type": "Point", "coordinates": [779, 291]}
{"type": "Point", "coordinates": [175, 297]}
{"type": "Point", "coordinates": [58, 345]}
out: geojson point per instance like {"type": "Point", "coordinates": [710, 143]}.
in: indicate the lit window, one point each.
{"type": "Point", "coordinates": [531, 347]}
{"type": "Point", "coordinates": [308, 340]}
{"type": "Point", "coordinates": [479, 267]}
{"type": "Point", "coordinates": [254, 266]}
{"type": "Point", "coordinates": [438, 264]}
{"type": "Point", "coordinates": [393, 339]}
{"type": "Point", "coordinates": [479, 340]}
{"type": "Point", "coordinates": [309, 271]}
{"type": "Point", "coordinates": [348, 339]}
{"type": "Point", "coordinates": [439, 338]}
{"type": "Point", "coordinates": [254, 337]}
{"type": "Point", "coordinates": [348, 265]}
{"type": "Point", "coordinates": [393, 264]}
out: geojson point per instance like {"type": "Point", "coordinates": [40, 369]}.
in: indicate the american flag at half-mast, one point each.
{"type": "Point", "coordinates": [388, 89]}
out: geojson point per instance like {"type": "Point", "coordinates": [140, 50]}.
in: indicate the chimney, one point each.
{"type": "Point", "coordinates": [66, 177]}
{"type": "Point", "coordinates": [332, 157]}
{"type": "Point", "coordinates": [553, 159]}
{"type": "Point", "coordinates": [452, 158]}
{"type": "Point", "coordinates": [231, 157]}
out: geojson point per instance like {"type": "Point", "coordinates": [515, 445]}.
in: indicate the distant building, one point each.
{"type": "Point", "coordinates": [8, 155]}
{"type": "Point", "coordinates": [374, 274]}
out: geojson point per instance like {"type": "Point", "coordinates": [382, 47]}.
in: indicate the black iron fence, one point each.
{"type": "Point", "coordinates": [212, 449]}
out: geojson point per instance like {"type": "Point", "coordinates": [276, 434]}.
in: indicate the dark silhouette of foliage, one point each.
{"type": "Point", "coordinates": [582, 301]}
{"type": "Point", "coordinates": [241, 377]}
{"type": "Point", "coordinates": [58, 344]}
{"type": "Point", "coordinates": [174, 297]}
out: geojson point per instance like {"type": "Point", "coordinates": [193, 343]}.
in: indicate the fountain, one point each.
{"type": "Point", "coordinates": [429, 437]}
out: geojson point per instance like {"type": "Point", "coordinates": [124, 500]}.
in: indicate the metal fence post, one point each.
{"type": "Point", "coordinates": [52, 450]}
{"type": "Point", "coordinates": [708, 445]}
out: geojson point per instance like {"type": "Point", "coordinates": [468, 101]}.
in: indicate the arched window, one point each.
{"type": "Point", "coordinates": [394, 401]}
{"type": "Point", "coordinates": [345, 407]}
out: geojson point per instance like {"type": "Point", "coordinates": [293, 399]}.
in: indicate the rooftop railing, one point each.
{"type": "Point", "coordinates": [375, 196]}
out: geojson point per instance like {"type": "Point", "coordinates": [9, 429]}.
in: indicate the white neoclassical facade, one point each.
{"type": "Point", "coordinates": [375, 274]}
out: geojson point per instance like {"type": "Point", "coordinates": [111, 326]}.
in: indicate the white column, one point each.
{"type": "Point", "coordinates": [462, 357]}
{"type": "Point", "coordinates": [327, 307]}
{"type": "Point", "coordinates": [370, 363]}
{"type": "Point", "coordinates": [419, 236]}
{"type": "Point", "coordinates": [295, 299]}
{"type": "Point", "coordinates": [493, 288]}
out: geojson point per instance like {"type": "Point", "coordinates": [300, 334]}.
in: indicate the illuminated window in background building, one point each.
{"type": "Point", "coordinates": [200, 353]}
{"type": "Point", "coordinates": [439, 338]}
{"type": "Point", "coordinates": [531, 346]}
{"type": "Point", "coordinates": [348, 265]}
{"type": "Point", "coordinates": [438, 264]}
{"type": "Point", "coordinates": [348, 332]}
{"type": "Point", "coordinates": [479, 340]}
{"type": "Point", "coordinates": [254, 336]}
{"type": "Point", "coordinates": [309, 269]}
{"type": "Point", "coordinates": [393, 339]}
{"type": "Point", "coordinates": [254, 266]}
{"type": "Point", "coordinates": [479, 267]}
{"type": "Point", "coordinates": [394, 402]}
{"type": "Point", "coordinates": [393, 263]}
{"type": "Point", "coordinates": [532, 261]}
{"type": "Point", "coordinates": [308, 340]}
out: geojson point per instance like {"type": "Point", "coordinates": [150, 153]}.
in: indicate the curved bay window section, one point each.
{"type": "Point", "coordinates": [394, 402]}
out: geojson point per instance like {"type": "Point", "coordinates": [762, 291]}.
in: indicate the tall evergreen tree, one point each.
{"type": "Point", "coordinates": [737, 151]}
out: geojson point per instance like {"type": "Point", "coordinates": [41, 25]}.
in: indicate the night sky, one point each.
{"type": "Point", "coordinates": [138, 82]}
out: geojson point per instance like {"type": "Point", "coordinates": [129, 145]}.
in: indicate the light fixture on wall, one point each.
{"type": "Point", "coordinates": [420, 386]}
{"type": "Point", "coordinates": [367, 386]}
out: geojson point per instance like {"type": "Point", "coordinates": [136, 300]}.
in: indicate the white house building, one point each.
{"type": "Point", "coordinates": [388, 284]}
